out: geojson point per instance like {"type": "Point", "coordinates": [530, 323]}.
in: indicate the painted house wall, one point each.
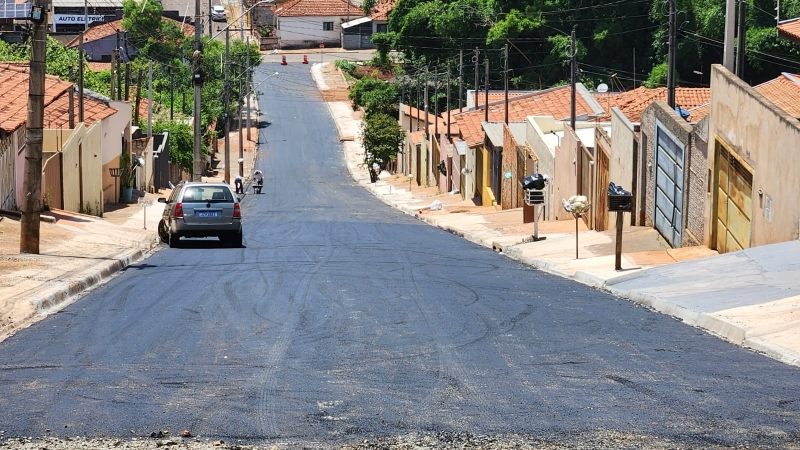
{"type": "Point", "coordinates": [623, 145]}
{"type": "Point", "coordinates": [566, 183]}
{"type": "Point", "coordinates": [82, 164]}
{"type": "Point", "coordinates": [766, 139]}
{"type": "Point", "coordinates": [100, 49]}
{"type": "Point", "coordinates": [509, 165]}
{"type": "Point", "coordinates": [115, 128]}
{"type": "Point", "coordinates": [308, 31]}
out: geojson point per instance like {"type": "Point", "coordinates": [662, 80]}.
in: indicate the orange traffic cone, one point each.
{"type": "Point", "coordinates": [283, 60]}
{"type": "Point", "coordinates": [305, 59]}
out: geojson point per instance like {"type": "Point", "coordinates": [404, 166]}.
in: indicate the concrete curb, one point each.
{"type": "Point", "coordinates": [60, 293]}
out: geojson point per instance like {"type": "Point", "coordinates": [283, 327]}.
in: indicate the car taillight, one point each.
{"type": "Point", "coordinates": [237, 211]}
{"type": "Point", "coordinates": [179, 210]}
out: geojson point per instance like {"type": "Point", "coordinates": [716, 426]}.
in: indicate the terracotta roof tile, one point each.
{"type": "Point", "coordinates": [382, 9]}
{"type": "Point", "coordinates": [99, 66]}
{"type": "Point", "coordinates": [14, 94]}
{"type": "Point", "coordinates": [316, 8]}
{"type": "Point", "coordinates": [553, 102]}
{"type": "Point", "coordinates": [697, 114]}
{"type": "Point", "coordinates": [633, 103]}
{"type": "Point", "coordinates": [107, 29]}
{"type": "Point", "coordinates": [56, 114]}
{"type": "Point", "coordinates": [790, 30]}
{"type": "Point", "coordinates": [416, 137]}
{"type": "Point", "coordinates": [496, 96]}
{"type": "Point", "coordinates": [784, 92]}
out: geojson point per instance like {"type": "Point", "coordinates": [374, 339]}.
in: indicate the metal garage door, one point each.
{"type": "Point", "coordinates": [669, 187]}
{"type": "Point", "coordinates": [734, 203]}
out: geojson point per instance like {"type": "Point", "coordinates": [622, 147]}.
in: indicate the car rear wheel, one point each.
{"type": "Point", "coordinates": [163, 233]}
{"type": "Point", "coordinates": [174, 240]}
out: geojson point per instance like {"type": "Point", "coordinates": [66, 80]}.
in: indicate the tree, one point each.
{"type": "Point", "coordinates": [375, 96]}
{"type": "Point", "coordinates": [381, 136]}
{"type": "Point", "coordinates": [181, 142]}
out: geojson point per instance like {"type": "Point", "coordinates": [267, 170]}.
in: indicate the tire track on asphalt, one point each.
{"type": "Point", "coordinates": [266, 410]}
{"type": "Point", "coordinates": [453, 380]}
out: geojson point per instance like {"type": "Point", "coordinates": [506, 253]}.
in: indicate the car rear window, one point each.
{"type": "Point", "coordinates": [207, 194]}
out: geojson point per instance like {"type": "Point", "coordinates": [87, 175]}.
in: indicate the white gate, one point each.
{"type": "Point", "coordinates": [669, 187]}
{"type": "Point", "coordinates": [8, 176]}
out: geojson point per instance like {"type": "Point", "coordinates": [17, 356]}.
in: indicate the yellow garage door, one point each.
{"type": "Point", "coordinates": [734, 202]}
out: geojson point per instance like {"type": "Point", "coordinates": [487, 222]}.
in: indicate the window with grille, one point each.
{"type": "Point", "coordinates": [327, 26]}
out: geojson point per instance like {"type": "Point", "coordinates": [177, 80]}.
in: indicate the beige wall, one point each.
{"type": "Point", "coordinates": [565, 184]}
{"type": "Point", "coordinates": [766, 139]}
{"type": "Point", "coordinates": [623, 143]}
{"type": "Point", "coordinates": [539, 137]}
{"type": "Point", "coordinates": [82, 165]}
{"type": "Point", "coordinates": [115, 128]}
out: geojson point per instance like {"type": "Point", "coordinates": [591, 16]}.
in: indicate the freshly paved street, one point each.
{"type": "Point", "coordinates": [343, 319]}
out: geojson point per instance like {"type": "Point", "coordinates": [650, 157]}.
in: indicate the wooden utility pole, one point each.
{"type": "Point", "coordinates": [505, 81]}
{"type": "Point", "coordinates": [572, 82]}
{"type": "Point", "coordinates": [197, 171]}
{"type": "Point", "coordinates": [32, 182]}
{"type": "Point", "coordinates": [150, 98]}
{"type": "Point", "coordinates": [119, 71]}
{"type": "Point", "coordinates": [671, 59]}
{"type": "Point", "coordinates": [139, 82]}
{"type": "Point", "coordinates": [113, 75]}
{"type": "Point", "coordinates": [460, 80]}
{"type": "Point", "coordinates": [247, 87]}
{"type": "Point", "coordinates": [741, 38]}
{"type": "Point", "coordinates": [486, 90]}
{"type": "Point", "coordinates": [241, 135]}
{"type": "Point", "coordinates": [425, 105]}
{"type": "Point", "coordinates": [127, 81]}
{"type": "Point", "coordinates": [80, 78]}
{"type": "Point", "coordinates": [436, 102]}
{"type": "Point", "coordinates": [226, 115]}
{"type": "Point", "coordinates": [477, 78]}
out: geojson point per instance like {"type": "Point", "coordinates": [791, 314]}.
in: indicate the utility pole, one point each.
{"type": "Point", "coordinates": [113, 75]}
{"type": "Point", "coordinates": [119, 72]}
{"type": "Point", "coordinates": [226, 115]}
{"type": "Point", "coordinates": [436, 102]}
{"type": "Point", "coordinates": [210, 19]}
{"type": "Point", "coordinates": [80, 78]}
{"type": "Point", "coordinates": [171, 95]}
{"type": "Point", "coordinates": [247, 87]}
{"type": "Point", "coordinates": [425, 104]}
{"type": "Point", "coordinates": [572, 81]}
{"type": "Point", "coordinates": [477, 77]}
{"type": "Point", "coordinates": [730, 29]}
{"type": "Point", "coordinates": [486, 89]}
{"type": "Point", "coordinates": [241, 135]}
{"type": "Point", "coordinates": [150, 98]}
{"type": "Point", "coordinates": [127, 81]}
{"type": "Point", "coordinates": [740, 46]}
{"type": "Point", "coordinates": [448, 101]}
{"type": "Point", "coordinates": [418, 103]}
{"type": "Point", "coordinates": [139, 82]}
{"type": "Point", "coordinates": [32, 183]}
{"type": "Point", "coordinates": [671, 62]}
{"type": "Point", "coordinates": [505, 80]}
{"type": "Point", "coordinates": [197, 165]}
{"type": "Point", "coordinates": [460, 80]}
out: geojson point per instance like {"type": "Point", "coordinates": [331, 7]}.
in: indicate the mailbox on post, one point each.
{"type": "Point", "coordinates": [620, 201]}
{"type": "Point", "coordinates": [534, 187]}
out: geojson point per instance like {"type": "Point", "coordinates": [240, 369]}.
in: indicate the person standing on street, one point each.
{"type": "Point", "coordinates": [238, 183]}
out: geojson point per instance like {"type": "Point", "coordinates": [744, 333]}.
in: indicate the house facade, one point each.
{"type": "Point", "coordinates": [313, 23]}
{"type": "Point", "coordinates": [754, 163]}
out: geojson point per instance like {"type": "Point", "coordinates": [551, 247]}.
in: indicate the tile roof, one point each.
{"type": "Point", "coordinates": [790, 30]}
{"type": "Point", "coordinates": [410, 111]}
{"type": "Point", "coordinates": [14, 94]}
{"type": "Point", "coordinates": [496, 96]}
{"type": "Point", "coordinates": [553, 102]}
{"type": "Point", "coordinates": [316, 8]}
{"type": "Point", "coordinates": [382, 9]}
{"type": "Point", "coordinates": [56, 114]}
{"type": "Point", "coordinates": [99, 66]}
{"type": "Point", "coordinates": [108, 29]}
{"type": "Point", "coordinates": [784, 92]}
{"type": "Point", "coordinates": [699, 113]}
{"type": "Point", "coordinates": [633, 103]}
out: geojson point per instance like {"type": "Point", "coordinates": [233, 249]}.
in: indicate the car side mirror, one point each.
{"type": "Point", "coordinates": [162, 200]}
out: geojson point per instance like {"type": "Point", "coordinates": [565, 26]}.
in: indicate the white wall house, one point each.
{"type": "Point", "coordinates": [309, 23]}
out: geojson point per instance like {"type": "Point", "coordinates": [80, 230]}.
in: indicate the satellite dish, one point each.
{"type": "Point", "coordinates": [602, 87]}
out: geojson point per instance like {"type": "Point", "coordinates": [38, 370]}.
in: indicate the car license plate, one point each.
{"type": "Point", "coordinates": [208, 214]}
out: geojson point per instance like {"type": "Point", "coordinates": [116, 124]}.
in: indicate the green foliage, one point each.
{"type": "Point", "coordinates": [154, 37]}
{"type": "Point", "coordinates": [382, 136]}
{"type": "Point", "coordinates": [181, 142]}
{"type": "Point", "coordinates": [375, 96]}
{"type": "Point", "coordinates": [347, 66]}
{"type": "Point", "coordinates": [126, 172]}
{"type": "Point", "coordinates": [658, 76]}
{"type": "Point", "coordinates": [367, 5]}
{"type": "Point", "coordinates": [384, 42]}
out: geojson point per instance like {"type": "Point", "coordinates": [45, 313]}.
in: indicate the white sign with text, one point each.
{"type": "Point", "coordinates": [75, 19]}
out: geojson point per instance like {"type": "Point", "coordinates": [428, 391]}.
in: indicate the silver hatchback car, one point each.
{"type": "Point", "coordinates": [201, 210]}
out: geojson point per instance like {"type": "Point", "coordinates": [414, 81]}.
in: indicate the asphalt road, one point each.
{"type": "Point", "coordinates": [343, 319]}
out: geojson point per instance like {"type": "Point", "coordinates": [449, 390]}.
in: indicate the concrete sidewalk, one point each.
{"type": "Point", "coordinates": [79, 252]}
{"type": "Point", "coordinates": [750, 298]}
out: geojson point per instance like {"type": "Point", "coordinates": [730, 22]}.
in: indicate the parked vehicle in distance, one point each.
{"type": "Point", "coordinates": [218, 13]}
{"type": "Point", "coordinates": [198, 209]}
